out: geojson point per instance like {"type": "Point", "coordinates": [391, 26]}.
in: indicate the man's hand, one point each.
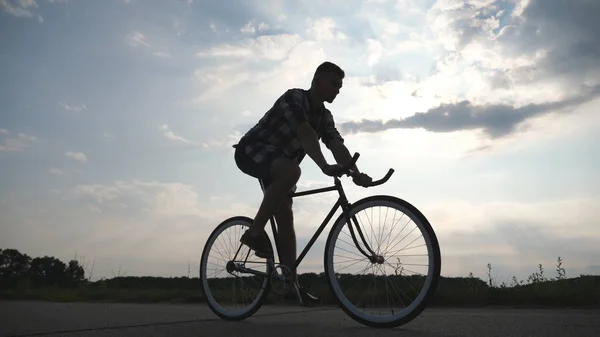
{"type": "Point", "coordinates": [362, 179]}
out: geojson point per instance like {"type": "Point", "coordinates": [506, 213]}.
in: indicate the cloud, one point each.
{"type": "Point", "coordinates": [496, 120]}
{"type": "Point", "coordinates": [213, 143]}
{"type": "Point", "coordinates": [169, 134]}
{"type": "Point", "coordinates": [15, 144]}
{"type": "Point", "coordinates": [77, 156]}
{"type": "Point", "coordinates": [262, 65]}
{"type": "Point", "coordinates": [149, 206]}
{"type": "Point", "coordinates": [74, 108]}
{"type": "Point", "coordinates": [158, 41]}
{"type": "Point", "coordinates": [252, 27]}
{"type": "Point", "coordinates": [122, 222]}
{"type": "Point", "coordinates": [19, 8]}
{"type": "Point", "coordinates": [136, 39]}
{"type": "Point", "coordinates": [515, 246]}
{"type": "Point", "coordinates": [504, 53]}
{"type": "Point", "coordinates": [513, 236]}
{"type": "Point", "coordinates": [567, 32]}
{"type": "Point", "coordinates": [108, 137]}
{"type": "Point", "coordinates": [56, 171]}
{"type": "Point", "coordinates": [162, 54]}
{"type": "Point", "coordinates": [264, 47]}
{"type": "Point", "coordinates": [532, 41]}
{"type": "Point", "coordinates": [155, 199]}
{"type": "Point", "coordinates": [23, 8]}
{"type": "Point", "coordinates": [214, 81]}
{"type": "Point", "coordinates": [325, 30]}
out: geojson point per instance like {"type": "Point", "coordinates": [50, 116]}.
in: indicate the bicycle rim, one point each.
{"type": "Point", "coordinates": [222, 288]}
{"type": "Point", "coordinates": [399, 247]}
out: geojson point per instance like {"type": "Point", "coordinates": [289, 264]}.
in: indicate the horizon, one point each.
{"type": "Point", "coordinates": [115, 138]}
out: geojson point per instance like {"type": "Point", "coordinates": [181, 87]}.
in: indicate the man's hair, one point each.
{"type": "Point", "coordinates": [328, 67]}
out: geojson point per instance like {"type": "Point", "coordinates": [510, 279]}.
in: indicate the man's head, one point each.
{"type": "Point", "coordinates": [327, 81]}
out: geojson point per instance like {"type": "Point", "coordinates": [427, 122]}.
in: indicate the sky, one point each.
{"type": "Point", "coordinates": [117, 119]}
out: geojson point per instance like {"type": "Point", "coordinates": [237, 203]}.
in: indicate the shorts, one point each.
{"type": "Point", "coordinates": [259, 171]}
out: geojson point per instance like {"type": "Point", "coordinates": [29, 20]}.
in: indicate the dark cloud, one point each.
{"type": "Point", "coordinates": [566, 32]}
{"type": "Point", "coordinates": [558, 23]}
{"type": "Point", "coordinates": [497, 120]}
{"type": "Point", "coordinates": [471, 21]}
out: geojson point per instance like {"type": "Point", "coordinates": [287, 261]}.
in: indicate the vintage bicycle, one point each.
{"type": "Point", "coordinates": [379, 258]}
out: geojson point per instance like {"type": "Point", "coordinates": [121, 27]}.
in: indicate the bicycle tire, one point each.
{"type": "Point", "coordinates": [215, 308]}
{"type": "Point", "coordinates": [433, 274]}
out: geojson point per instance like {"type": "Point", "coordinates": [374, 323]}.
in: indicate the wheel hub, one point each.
{"type": "Point", "coordinates": [229, 266]}
{"type": "Point", "coordinates": [377, 259]}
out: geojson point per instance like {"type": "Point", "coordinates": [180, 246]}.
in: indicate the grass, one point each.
{"type": "Point", "coordinates": [536, 290]}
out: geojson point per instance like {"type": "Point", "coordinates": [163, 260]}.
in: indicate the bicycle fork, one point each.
{"type": "Point", "coordinates": [371, 255]}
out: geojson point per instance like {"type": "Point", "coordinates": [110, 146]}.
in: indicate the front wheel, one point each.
{"type": "Point", "coordinates": [240, 275]}
{"type": "Point", "coordinates": [384, 282]}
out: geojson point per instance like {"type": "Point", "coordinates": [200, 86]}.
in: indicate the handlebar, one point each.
{"type": "Point", "coordinates": [347, 170]}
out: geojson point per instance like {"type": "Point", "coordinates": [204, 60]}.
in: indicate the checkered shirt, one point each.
{"type": "Point", "coordinates": [275, 133]}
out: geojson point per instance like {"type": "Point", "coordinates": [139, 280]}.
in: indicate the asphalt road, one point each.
{"type": "Point", "coordinates": [94, 319]}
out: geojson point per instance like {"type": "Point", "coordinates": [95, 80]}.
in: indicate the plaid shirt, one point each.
{"type": "Point", "coordinates": [275, 133]}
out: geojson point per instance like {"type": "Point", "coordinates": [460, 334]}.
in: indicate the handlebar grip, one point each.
{"type": "Point", "coordinates": [347, 169]}
{"type": "Point", "coordinates": [352, 162]}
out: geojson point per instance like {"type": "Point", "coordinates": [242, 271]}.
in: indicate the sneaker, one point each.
{"type": "Point", "coordinates": [258, 243]}
{"type": "Point", "coordinates": [306, 298]}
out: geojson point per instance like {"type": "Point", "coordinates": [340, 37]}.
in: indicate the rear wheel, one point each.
{"type": "Point", "coordinates": [230, 272]}
{"type": "Point", "coordinates": [385, 283]}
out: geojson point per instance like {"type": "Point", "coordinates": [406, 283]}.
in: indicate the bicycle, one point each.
{"type": "Point", "coordinates": [272, 275]}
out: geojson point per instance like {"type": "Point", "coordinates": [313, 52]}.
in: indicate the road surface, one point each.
{"type": "Point", "coordinates": [111, 319]}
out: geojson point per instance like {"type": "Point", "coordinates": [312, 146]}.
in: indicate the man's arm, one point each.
{"type": "Point", "coordinates": [295, 115]}
{"type": "Point", "coordinates": [334, 141]}
{"type": "Point", "coordinates": [310, 143]}
{"type": "Point", "coordinates": [341, 153]}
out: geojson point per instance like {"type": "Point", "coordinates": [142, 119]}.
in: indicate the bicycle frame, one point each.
{"type": "Point", "coordinates": [342, 202]}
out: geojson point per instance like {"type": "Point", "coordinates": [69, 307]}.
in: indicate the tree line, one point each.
{"type": "Point", "coordinates": [48, 278]}
{"type": "Point", "coordinates": [18, 269]}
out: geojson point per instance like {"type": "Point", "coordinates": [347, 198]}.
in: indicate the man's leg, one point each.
{"type": "Point", "coordinates": [287, 235]}
{"type": "Point", "coordinates": [284, 214]}
{"type": "Point", "coordinates": [284, 174]}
